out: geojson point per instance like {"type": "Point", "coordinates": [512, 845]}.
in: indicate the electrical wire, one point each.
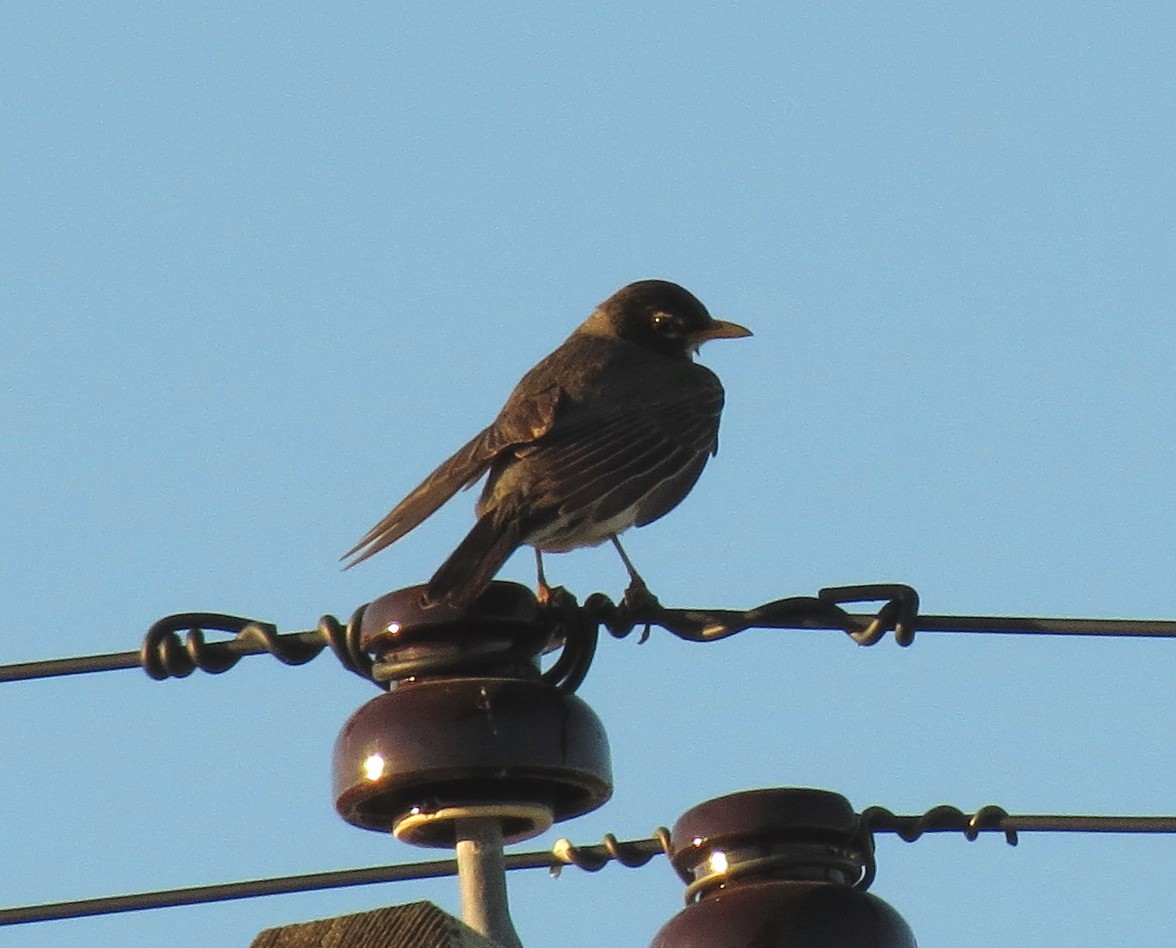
{"type": "Point", "coordinates": [164, 654]}
{"type": "Point", "coordinates": [632, 853]}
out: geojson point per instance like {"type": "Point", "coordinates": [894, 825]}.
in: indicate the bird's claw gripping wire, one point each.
{"type": "Point", "coordinates": [638, 601]}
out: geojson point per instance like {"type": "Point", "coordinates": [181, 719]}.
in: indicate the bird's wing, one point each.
{"type": "Point", "coordinates": [645, 459]}
{"type": "Point", "coordinates": [531, 419]}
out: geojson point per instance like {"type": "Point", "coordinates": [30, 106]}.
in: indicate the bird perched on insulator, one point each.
{"type": "Point", "coordinates": [609, 431]}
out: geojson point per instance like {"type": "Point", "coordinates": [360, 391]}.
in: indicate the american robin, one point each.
{"type": "Point", "coordinates": [608, 432]}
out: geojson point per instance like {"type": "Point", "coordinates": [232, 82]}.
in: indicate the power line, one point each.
{"type": "Point", "coordinates": [632, 853]}
{"type": "Point", "coordinates": [165, 654]}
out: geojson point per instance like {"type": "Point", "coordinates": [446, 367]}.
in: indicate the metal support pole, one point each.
{"type": "Point", "coordinates": [482, 876]}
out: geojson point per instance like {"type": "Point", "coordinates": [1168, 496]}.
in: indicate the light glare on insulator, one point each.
{"type": "Point", "coordinates": [373, 767]}
{"type": "Point", "coordinates": [717, 862]}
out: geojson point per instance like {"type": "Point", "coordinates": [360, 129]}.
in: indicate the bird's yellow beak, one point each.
{"type": "Point", "coordinates": [719, 329]}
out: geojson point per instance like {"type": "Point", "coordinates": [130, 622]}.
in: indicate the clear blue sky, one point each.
{"type": "Point", "coordinates": [263, 266]}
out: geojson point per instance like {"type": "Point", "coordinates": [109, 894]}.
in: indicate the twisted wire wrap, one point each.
{"type": "Point", "coordinates": [632, 854]}
{"type": "Point", "coordinates": [164, 654]}
{"type": "Point", "coordinates": [898, 612]}
{"type": "Point", "coordinates": [878, 819]}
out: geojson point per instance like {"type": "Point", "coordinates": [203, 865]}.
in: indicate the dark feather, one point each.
{"type": "Point", "coordinates": [624, 453]}
{"type": "Point", "coordinates": [477, 558]}
{"type": "Point", "coordinates": [532, 419]}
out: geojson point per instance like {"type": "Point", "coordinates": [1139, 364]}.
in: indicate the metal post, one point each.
{"type": "Point", "coordinates": [482, 877]}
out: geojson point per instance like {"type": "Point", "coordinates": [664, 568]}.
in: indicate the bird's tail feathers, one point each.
{"type": "Point", "coordinates": [461, 470]}
{"type": "Point", "coordinates": [477, 559]}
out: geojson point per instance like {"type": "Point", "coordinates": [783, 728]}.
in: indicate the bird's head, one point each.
{"type": "Point", "coordinates": [661, 316]}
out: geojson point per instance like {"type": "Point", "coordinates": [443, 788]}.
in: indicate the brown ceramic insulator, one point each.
{"type": "Point", "coordinates": [755, 823]}
{"type": "Point", "coordinates": [501, 632]}
{"type": "Point", "coordinates": [777, 869]}
{"type": "Point", "coordinates": [435, 750]}
{"type": "Point", "coordinates": [787, 914]}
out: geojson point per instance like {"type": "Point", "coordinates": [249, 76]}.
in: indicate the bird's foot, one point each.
{"type": "Point", "coordinates": [639, 599]}
{"type": "Point", "coordinates": [561, 603]}
{"type": "Point", "coordinates": [555, 597]}
{"type": "Point", "coordinates": [641, 604]}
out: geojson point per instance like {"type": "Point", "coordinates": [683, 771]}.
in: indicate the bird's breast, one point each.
{"type": "Point", "coordinates": [581, 529]}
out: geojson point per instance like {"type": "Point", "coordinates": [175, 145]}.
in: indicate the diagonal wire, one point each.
{"type": "Point", "coordinates": [626, 852]}
{"type": "Point", "coordinates": [631, 853]}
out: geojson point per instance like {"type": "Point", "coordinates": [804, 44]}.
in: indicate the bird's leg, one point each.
{"type": "Point", "coordinates": [635, 580]}
{"type": "Point", "coordinates": [554, 597]}
{"type": "Point", "coordinates": [543, 591]}
{"type": "Point", "coordinates": [638, 599]}
{"type": "Point", "coordinates": [548, 595]}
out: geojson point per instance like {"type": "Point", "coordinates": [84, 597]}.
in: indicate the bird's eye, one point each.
{"type": "Point", "coordinates": [665, 324]}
